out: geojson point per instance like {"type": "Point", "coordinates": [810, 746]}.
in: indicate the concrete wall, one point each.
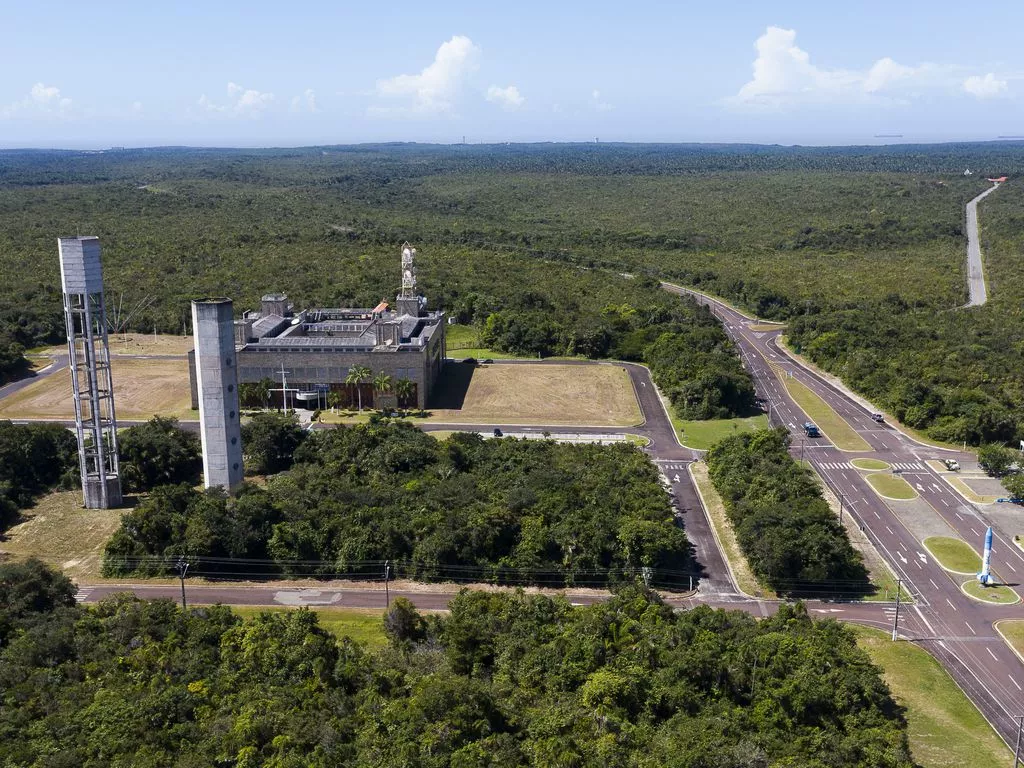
{"type": "Point", "coordinates": [216, 375]}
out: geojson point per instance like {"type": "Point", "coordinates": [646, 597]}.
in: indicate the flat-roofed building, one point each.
{"type": "Point", "coordinates": [308, 354]}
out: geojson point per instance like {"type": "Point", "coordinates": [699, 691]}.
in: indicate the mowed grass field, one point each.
{"type": "Point", "coordinates": [598, 395]}
{"type": "Point", "coordinates": [890, 486]}
{"type": "Point", "coordinates": [946, 730]}
{"type": "Point", "coordinates": [364, 625]}
{"type": "Point", "coordinates": [136, 344]}
{"type": "Point", "coordinates": [142, 388]}
{"type": "Point", "coordinates": [60, 532]}
{"type": "Point", "coordinates": [953, 554]}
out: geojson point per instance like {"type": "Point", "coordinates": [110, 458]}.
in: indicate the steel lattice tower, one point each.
{"type": "Point", "coordinates": [89, 361]}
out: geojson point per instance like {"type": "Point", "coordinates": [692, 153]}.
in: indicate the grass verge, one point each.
{"type": "Point", "coordinates": [891, 486]}
{"type": "Point", "coordinates": [741, 571]}
{"type": "Point", "coordinates": [701, 435]}
{"type": "Point", "coordinates": [953, 554]}
{"type": "Point", "coordinates": [968, 493]}
{"type": "Point", "coordinates": [946, 730]}
{"type": "Point", "coordinates": [842, 435]}
{"type": "Point", "coordinates": [364, 625]}
{"type": "Point", "coordinates": [997, 593]}
{"type": "Point", "coordinates": [1012, 632]}
{"type": "Point", "coordinates": [870, 464]}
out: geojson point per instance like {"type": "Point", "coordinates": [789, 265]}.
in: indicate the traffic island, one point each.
{"type": "Point", "coordinates": [870, 465]}
{"type": "Point", "coordinates": [954, 555]}
{"type": "Point", "coordinates": [891, 486]}
{"type": "Point", "coordinates": [836, 428]}
{"type": "Point", "coordinates": [993, 593]}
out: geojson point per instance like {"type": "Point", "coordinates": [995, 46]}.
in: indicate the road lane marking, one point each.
{"type": "Point", "coordinates": [890, 530]}
{"type": "Point", "coordinates": [917, 563]}
{"type": "Point", "coordinates": [933, 583]}
{"type": "Point", "coordinates": [1014, 682]}
{"type": "Point", "coordinates": [992, 654]}
{"type": "Point", "coordinates": [975, 532]}
{"type": "Point", "coordinates": [950, 604]}
{"type": "Point", "coordinates": [958, 516]}
{"type": "Point", "coordinates": [1011, 567]}
{"type": "Point", "coordinates": [970, 627]}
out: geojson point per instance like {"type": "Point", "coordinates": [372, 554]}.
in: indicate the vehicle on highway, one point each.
{"type": "Point", "coordinates": [810, 430]}
{"type": "Point", "coordinates": [952, 464]}
{"type": "Point", "coordinates": [878, 418]}
{"type": "Point", "coordinates": [497, 432]}
{"type": "Point", "coordinates": [486, 361]}
{"type": "Point", "coordinates": [470, 361]}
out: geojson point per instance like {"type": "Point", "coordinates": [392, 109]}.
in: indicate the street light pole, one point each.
{"type": "Point", "coordinates": [896, 616]}
{"type": "Point", "coordinates": [182, 567]}
{"type": "Point", "coordinates": [841, 500]}
{"type": "Point", "coordinates": [387, 576]}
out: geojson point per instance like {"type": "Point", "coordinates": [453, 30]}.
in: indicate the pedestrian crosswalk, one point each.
{"type": "Point", "coordinates": [82, 595]}
{"type": "Point", "coordinates": [905, 466]}
{"type": "Point", "coordinates": [674, 466]}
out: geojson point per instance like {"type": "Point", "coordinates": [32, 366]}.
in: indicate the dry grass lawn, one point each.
{"type": "Point", "coordinates": [137, 344]}
{"type": "Point", "coordinates": [597, 395]}
{"type": "Point", "coordinates": [59, 531]}
{"type": "Point", "coordinates": [142, 389]}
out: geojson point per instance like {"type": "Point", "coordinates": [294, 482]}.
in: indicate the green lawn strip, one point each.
{"type": "Point", "coordinates": [1012, 631]}
{"type": "Point", "coordinates": [741, 571]}
{"type": "Point", "coordinates": [464, 341]}
{"type": "Point", "coordinates": [946, 730]}
{"type": "Point", "coordinates": [842, 435]}
{"type": "Point", "coordinates": [968, 493]}
{"type": "Point", "coordinates": [762, 327]}
{"type": "Point", "coordinates": [953, 554]}
{"type": "Point", "coordinates": [364, 625]}
{"type": "Point", "coordinates": [890, 486]}
{"type": "Point", "coordinates": [997, 593]}
{"type": "Point", "coordinates": [701, 435]}
{"type": "Point", "coordinates": [870, 464]}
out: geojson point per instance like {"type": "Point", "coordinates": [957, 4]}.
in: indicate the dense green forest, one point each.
{"type": "Point", "coordinates": [33, 459]}
{"type": "Point", "coordinates": [506, 679]}
{"type": "Point", "coordinates": [861, 248]}
{"type": "Point", "coordinates": [785, 528]}
{"type": "Point", "coordinates": [463, 509]}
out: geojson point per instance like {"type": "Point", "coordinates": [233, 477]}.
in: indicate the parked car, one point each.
{"type": "Point", "coordinates": [952, 464]}
{"type": "Point", "coordinates": [497, 432]}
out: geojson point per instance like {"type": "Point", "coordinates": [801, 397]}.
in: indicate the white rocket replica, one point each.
{"type": "Point", "coordinates": [985, 575]}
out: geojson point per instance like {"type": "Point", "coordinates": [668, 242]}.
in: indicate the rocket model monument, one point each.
{"type": "Point", "coordinates": [985, 575]}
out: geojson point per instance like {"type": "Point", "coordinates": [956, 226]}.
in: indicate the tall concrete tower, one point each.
{"type": "Point", "coordinates": [89, 359]}
{"type": "Point", "coordinates": [213, 324]}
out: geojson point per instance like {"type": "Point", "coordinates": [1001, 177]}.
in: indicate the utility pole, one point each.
{"type": "Point", "coordinates": [896, 616]}
{"type": "Point", "coordinates": [182, 567]}
{"type": "Point", "coordinates": [841, 500]}
{"type": "Point", "coordinates": [387, 577]}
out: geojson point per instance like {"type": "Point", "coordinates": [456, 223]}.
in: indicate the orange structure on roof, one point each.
{"type": "Point", "coordinates": [380, 307]}
{"type": "Point", "coordinates": [999, 180]}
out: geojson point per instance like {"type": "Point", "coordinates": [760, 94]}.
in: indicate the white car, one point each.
{"type": "Point", "coordinates": [952, 464]}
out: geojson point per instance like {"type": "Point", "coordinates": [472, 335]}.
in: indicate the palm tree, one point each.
{"type": "Point", "coordinates": [382, 383]}
{"type": "Point", "coordinates": [356, 374]}
{"type": "Point", "coordinates": [333, 401]}
{"type": "Point", "coordinates": [403, 388]}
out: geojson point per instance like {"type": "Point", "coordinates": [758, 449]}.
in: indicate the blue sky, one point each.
{"type": "Point", "coordinates": [228, 73]}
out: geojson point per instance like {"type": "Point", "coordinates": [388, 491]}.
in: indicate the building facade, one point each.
{"type": "Point", "coordinates": [308, 354]}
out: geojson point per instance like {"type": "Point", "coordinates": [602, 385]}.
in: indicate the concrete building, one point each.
{"type": "Point", "coordinates": [89, 361]}
{"type": "Point", "coordinates": [216, 382]}
{"type": "Point", "coordinates": [308, 354]}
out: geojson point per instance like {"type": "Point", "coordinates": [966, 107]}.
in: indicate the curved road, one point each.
{"type": "Point", "coordinates": [975, 270]}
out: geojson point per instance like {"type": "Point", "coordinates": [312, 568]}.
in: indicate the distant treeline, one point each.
{"type": "Point", "coordinates": [787, 531]}
{"type": "Point", "coordinates": [520, 511]}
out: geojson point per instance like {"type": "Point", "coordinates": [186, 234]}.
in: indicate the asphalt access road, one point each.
{"type": "Point", "coordinates": [975, 271]}
{"type": "Point", "coordinates": [955, 628]}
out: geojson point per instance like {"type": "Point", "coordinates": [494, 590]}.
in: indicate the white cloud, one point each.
{"type": "Point", "coordinates": [244, 102]}
{"type": "Point", "coordinates": [435, 89]}
{"type": "Point", "coordinates": [984, 87]}
{"type": "Point", "coordinates": [785, 74]}
{"type": "Point", "coordinates": [305, 103]}
{"type": "Point", "coordinates": [42, 101]}
{"type": "Point", "coordinates": [508, 98]}
{"type": "Point", "coordinates": [596, 103]}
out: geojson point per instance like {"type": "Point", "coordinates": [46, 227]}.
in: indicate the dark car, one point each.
{"type": "Point", "coordinates": [486, 361]}
{"type": "Point", "coordinates": [470, 361]}
{"type": "Point", "coordinates": [878, 418]}
{"type": "Point", "coordinates": [497, 432]}
{"type": "Point", "coordinates": [811, 430]}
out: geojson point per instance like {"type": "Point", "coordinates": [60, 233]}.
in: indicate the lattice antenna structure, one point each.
{"type": "Point", "coordinates": [408, 272]}
{"type": "Point", "coordinates": [89, 361]}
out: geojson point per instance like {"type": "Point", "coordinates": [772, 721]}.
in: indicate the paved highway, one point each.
{"type": "Point", "coordinates": [956, 629]}
{"type": "Point", "coordinates": [975, 270]}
